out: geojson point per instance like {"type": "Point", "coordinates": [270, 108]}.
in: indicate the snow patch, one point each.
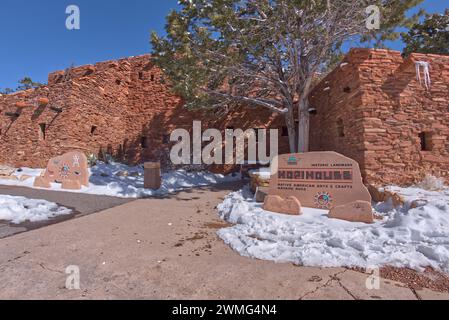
{"type": "Point", "coordinates": [414, 238]}
{"type": "Point", "coordinates": [20, 209]}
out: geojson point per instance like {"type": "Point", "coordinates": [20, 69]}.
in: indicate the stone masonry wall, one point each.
{"type": "Point", "coordinates": [116, 107]}
{"type": "Point", "coordinates": [337, 125]}
{"type": "Point", "coordinates": [396, 129]}
{"type": "Point", "coordinates": [406, 127]}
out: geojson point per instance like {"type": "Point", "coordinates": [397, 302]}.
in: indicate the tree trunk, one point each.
{"type": "Point", "coordinates": [304, 125]}
{"type": "Point", "coordinates": [290, 122]}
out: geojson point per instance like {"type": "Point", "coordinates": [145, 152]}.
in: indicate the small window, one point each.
{"type": "Point", "coordinates": [42, 131]}
{"type": "Point", "coordinates": [144, 142]}
{"type": "Point", "coordinates": [284, 131]}
{"type": "Point", "coordinates": [340, 128]}
{"type": "Point", "coordinates": [88, 72]}
{"type": "Point", "coordinates": [152, 77]}
{"type": "Point", "coordinates": [426, 141]}
{"type": "Point", "coordinates": [93, 129]}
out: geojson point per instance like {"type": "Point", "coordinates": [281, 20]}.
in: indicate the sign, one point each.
{"type": "Point", "coordinates": [70, 169]}
{"type": "Point", "coordinates": [321, 180]}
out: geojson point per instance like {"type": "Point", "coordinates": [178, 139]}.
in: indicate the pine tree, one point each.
{"type": "Point", "coordinates": [430, 36]}
{"type": "Point", "coordinates": [27, 83]}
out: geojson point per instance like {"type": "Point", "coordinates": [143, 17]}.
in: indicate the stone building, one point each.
{"type": "Point", "coordinates": [121, 108]}
{"type": "Point", "coordinates": [371, 108]}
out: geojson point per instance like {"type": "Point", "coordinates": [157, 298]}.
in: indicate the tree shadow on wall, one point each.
{"type": "Point", "coordinates": [14, 116]}
{"type": "Point", "coordinates": [397, 82]}
{"type": "Point", "coordinates": [153, 145]}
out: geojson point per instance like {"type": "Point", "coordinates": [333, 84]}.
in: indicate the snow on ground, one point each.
{"type": "Point", "coordinates": [19, 209]}
{"type": "Point", "coordinates": [406, 237]}
{"type": "Point", "coordinates": [105, 181]}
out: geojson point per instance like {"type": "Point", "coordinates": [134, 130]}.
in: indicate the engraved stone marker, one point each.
{"type": "Point", "coordinates": [321, 180]}
{"type": "Point", "coordinates": [70, 169]}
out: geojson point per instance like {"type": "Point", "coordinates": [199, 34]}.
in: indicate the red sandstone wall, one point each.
{"type": "Point", "coordinates": [20, 139]}
{"type": "Point", "coordinates": [397, 109]}
{"type": "Point", "coordinates": [384, 115]}
{"type": "Point", "coordinates": [337, 126]}
{"type": "Point", "coordinates": [124, 101]}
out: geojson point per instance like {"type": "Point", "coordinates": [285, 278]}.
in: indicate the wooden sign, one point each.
{"type": "Point", "coordinates": [321, 180]}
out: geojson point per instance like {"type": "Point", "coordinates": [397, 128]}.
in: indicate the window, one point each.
{"type": "Point", "coordinates": [426, 141]}
{"type": "Point", "coordinates": [42, 129]}
{"type": "Point", "coordinates": [88, 72]}
{"type": "Point", "coordinates": [340, 128]}
{"type": "Point", "coordinates": [144, 142]}
{"type": "Point", "coordinates": [93, 129]}
{"type": "Point", "coordinates": [152, 77]}
{"type": "Point", "coordinates": [284, 131]}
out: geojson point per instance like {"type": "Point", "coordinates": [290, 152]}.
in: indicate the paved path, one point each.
{"type": "Point", "coordinates": [165, 249]}
{"type": "Point", "coordinates": [82, 204]}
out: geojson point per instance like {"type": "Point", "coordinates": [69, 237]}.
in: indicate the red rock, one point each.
{"type": "Point", "coordinates": [290, 205]}
{"type": "Point", "coordinates": [71, 185]}
{"type": "Point", "coordinates": [41, 182]}
{"type": "Point", "coordinates": [70, 168]}
{"type": "Point", "coordinates": [358, 211]}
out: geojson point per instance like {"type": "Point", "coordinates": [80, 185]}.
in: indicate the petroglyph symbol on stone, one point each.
{"type": "Point", "coordinates": [323, 200]}
{"type": "Point", "coordinates": [76, 161]}
{"type": "Point", "coordinates": [65, 170]}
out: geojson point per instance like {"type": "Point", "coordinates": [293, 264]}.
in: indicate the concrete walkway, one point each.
{"type": "Point", "coordinates": [165, 249]}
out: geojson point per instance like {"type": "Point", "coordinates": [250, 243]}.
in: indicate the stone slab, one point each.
{"type": "Point", "coordinates": [70, 169]}
{"type": "Point", "coordinates": [321, 180]}
{"type": "Point", "coordinates": [290, 205]}
{"type": "Point", "coordinates": [357, 211]}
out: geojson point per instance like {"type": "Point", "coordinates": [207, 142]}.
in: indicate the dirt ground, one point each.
{"type": "Point", "coordinates": [168, 249]}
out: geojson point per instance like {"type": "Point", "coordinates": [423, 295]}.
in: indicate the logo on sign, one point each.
{"type": "Point", "coordinates": [292, 161]}
{"type": "Point", "coordinates": [323, 200]}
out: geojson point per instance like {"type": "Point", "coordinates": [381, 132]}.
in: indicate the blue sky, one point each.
{"type": "Point", "coordinates": [35, 40]}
